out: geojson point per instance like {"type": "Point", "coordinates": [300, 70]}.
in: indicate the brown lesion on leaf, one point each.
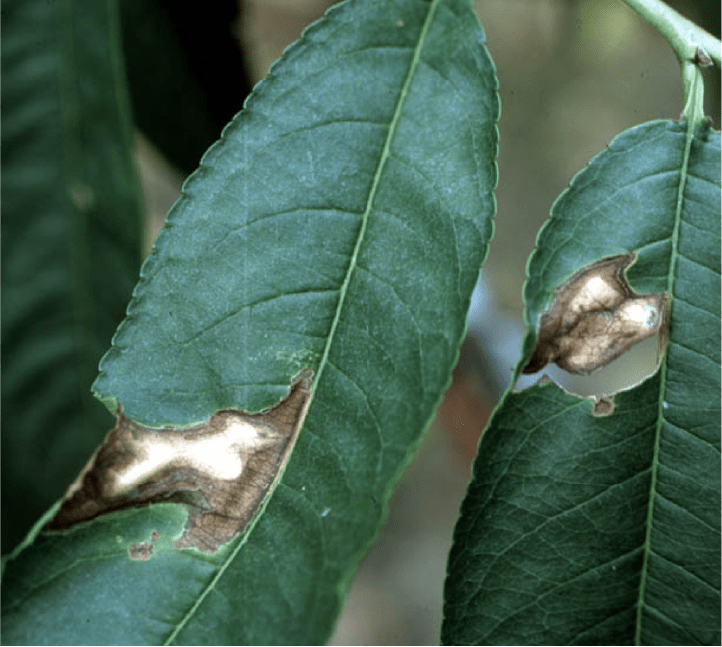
{"type": "Point", "coordinates": [221, 471]}
{"type": "Point", "coordinates": [141, 550]}
{"type": "Point", "coordinates": [595, 317]}
{"type": "Point", "coordinates": [603, 406]}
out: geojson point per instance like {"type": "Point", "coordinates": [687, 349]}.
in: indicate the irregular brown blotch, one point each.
{"type": "Point", "coordinates": [595, 317]}
{"type": "Point", "coordinates": [221, 471]}
{"type": "Point", "coordinates": [141, 550]}
{"type": "Point", "coordinates": [603, 406]}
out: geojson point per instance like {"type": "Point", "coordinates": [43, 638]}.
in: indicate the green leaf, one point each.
{"type": "Point", "coordinates": [71, 227]}
{"type": "Point", "coordinates": [605, 530]}
{"type": "Point", "coordinates": [338, 226]}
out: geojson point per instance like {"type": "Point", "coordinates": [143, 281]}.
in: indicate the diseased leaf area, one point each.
{"type": "Point", "coordinates": [594, 318]}
{"type": "Point", "coordinates": [589, 530]}
{"type": "Point", "coordinates": [221, 471]}
{"type": "Point", "coordinates": [339, 226]}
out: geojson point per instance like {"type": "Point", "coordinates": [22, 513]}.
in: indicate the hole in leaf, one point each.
{"type": "Point", "coordinates": [599, 337]}
{"type": "Point", "coordinates": [633, 367]}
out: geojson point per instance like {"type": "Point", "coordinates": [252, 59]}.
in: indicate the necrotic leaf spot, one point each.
{"type": "Point", "coordinates": [594, 317]}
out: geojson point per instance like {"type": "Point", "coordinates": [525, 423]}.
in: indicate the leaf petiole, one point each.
{"type": "Point", "coordinates": [683, 35]}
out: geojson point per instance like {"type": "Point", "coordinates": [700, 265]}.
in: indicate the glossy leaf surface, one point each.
{"type": "Point", "coordinates": [339, 226]}
{"type": "Point", "coordinates": [606, 530]}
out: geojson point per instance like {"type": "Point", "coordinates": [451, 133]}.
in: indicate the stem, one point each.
{"type": "Point", "coordinates": [683, 35]}
{"type": "Point", "coordinates": [693, 111]}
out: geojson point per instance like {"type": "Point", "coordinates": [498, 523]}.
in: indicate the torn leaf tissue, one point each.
{"type": "Point", "coordinates": [221, 471]}
{"type": "Point", "coordinates": [595, 317]}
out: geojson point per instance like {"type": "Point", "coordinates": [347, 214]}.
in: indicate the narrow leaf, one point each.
{"type": "Point", "coordinates": [338, 228]}
{"type": "Point", "coordinates": [586, 530]}
{"type": "Point", "coordinates": [71, 229]}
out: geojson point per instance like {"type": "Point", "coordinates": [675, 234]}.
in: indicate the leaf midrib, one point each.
{"type": "Point", "coordinates": [674, 255]}
{"type": "Point", "coordinates": [385, 154]}
{"type": "Point", "coordinates": [372, 194]}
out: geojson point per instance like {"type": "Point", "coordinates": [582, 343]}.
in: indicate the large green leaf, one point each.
{"type": "Point", "coordinates": [71, 229]}
{"type": "Point", "coordinates": [588, 530]}
{"type": "Point", "coordinates": [339, 226]}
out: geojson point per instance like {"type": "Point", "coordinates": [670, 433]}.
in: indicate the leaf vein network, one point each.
{"type": "Point", "coordinates": [398, 109]}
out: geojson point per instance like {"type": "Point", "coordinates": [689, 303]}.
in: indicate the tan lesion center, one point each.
{"type": "Point", "coordinates": [221, 470]}
{"type": "Point", "coordinates": [595, 318]}
{"type": "Point", "coordinates": [220, 453]}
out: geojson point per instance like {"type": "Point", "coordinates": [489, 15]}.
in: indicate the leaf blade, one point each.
{"type": "Point", "coordinates": [621, 470]}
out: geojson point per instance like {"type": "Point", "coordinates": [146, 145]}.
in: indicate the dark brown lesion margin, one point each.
{"type": "Point", "coordinates": [595, 317]}
{"type": "Point", "coordinates": [218, 509]}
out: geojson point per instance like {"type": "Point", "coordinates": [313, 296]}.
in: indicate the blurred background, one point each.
{"type": "Point", "coordinates": [572, 75]}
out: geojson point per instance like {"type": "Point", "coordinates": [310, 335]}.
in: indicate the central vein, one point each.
{"type": "Point", "coordinates": [383, 159]}
{"type": "Point", "coordinates": [373, 191]}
